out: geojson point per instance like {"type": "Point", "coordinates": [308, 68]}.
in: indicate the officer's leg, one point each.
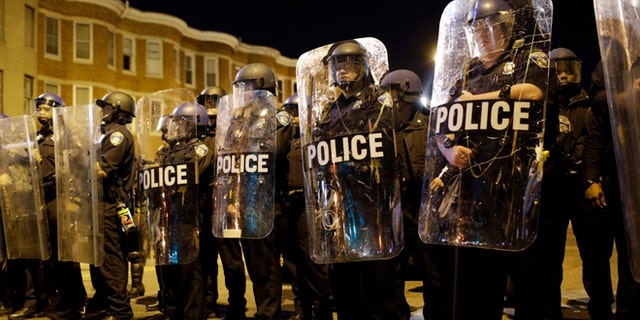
{"type": "Point", "coordinates": [137, 260]}
{"type": "Point", "coordinates": [263, 265]}
{"type": "Point", "coordinates": [234, 276]}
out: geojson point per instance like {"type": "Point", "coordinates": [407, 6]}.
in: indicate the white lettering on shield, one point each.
{"type": "Point", "coordinates": [241, 163]}
{"type": "Point", "coordinates": [486, 115]}
{"type": "Point", "coordinates": [357, 147]}
{"type": "Point", "coordinates": [166, 176]}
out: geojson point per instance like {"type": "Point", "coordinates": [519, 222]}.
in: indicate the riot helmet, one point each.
{"type": "Point", "coordinates": [348, 62]}
{"type": "Point", "coordinates": [489, 28]}
{"type": "Point", "coordinates": [185, 120]}
{"type": "Point", "coordinates": [291, 105]}
{"type": "Point", "coordinates": [406, 83]}
{"type": "Point", "coordinates": [209, 98]}
{"type": "Point", "coordinates": [163, 125]}
{"type": "Point", "coordinates": [44, 104]}
{"type": "Point", "coordinates": [117, 106]}
{"type": "Point", "coordinates": [567, 65]}
{"type": "Point", "coordinates": [256, 76]}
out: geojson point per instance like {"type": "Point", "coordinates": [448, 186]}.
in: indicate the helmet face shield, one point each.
{"type": "Point", "coordinates": [568, 71]}
{"type": "Point", "coordinates": [181, 128]}
{"type": "Point", "coordinates": [347, 68]}
{"type": "Point", "coordinates": [491, 35]}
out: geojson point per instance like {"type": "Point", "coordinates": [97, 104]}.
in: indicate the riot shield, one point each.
{"type": "Point", "coordinates": [152, 122]}
{"type": "Point", "coordinates": [618, 25]}
{"type": "Point", "coordinates": [167, 190]}
{"type": "Point", "coordinates": [245, 165]}
{"type": "Point", "coordinates": [350, 170]}
{"type": "Point", "coordinates": [78, 186]}
{"type": "Point", "coordinates": [488, 198]}
{"type": "Point", "coordinates": [26, 227]}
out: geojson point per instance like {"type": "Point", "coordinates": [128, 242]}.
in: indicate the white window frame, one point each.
{"type": "Point", "coordinates": [132, 55]}
{"type": "Point", "coordinates": [189, 69]}
{"type": "Point", "coordinates": [77, 42]}
{"type": "Point", "coordinates": [154, 67]}
{"type": "Point", "coordinates": [76, 99]}
{"type": "Point", "coordinates": [111, 49]}
{"type": "Point", "coordinates": [52, 37]}
{"type": "Point", "coordinates": [177, 64]}
{"type": "Point", "coordinates": [211, 66]}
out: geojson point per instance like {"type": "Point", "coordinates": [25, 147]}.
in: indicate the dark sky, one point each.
{"type": "Point", "coordinates": [408, 29]}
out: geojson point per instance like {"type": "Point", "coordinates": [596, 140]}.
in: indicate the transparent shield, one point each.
{"type": "Point", "coordinates": [167, 192]}
{"type": "Point", "coordinates": [26, 227]}
{"type": "Point", "coordinates": [618, 24]}
{"type": "Point", "coordinates": [487, 198]}
{"type": "Point", "coordinates": [350, 171]}
{"type": "Point", "coordinates": [245, 165]}
{"type": "Point", "coordinates": [78, 186]}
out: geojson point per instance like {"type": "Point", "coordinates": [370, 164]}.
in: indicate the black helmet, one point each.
{"type": "Point", "coordinates": [124, 107]}
{"type": "Point", "coordinates": [50, 99]}
{"type": "Point", "coordinates": [348, 52]}
{"type": "Point", "coordinates": [257, 76]}
{"type": "Point", "coordinates": [45, 114]}
{"type": "Point", "coordinates": [567, 65]}
{"type": "Point", "coordinates": [185, 120]}
{"type": "Point", "coordinates": [291, 105]}
{"type": "Point", "coordinates": [493, 22]}
{"type": "Point", "coordinates": [406, 82]}
{"type": "Point", "coordinates": [214, 93]}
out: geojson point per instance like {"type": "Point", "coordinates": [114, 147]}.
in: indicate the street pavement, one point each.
{"type": "Point", "coordinates": [574, 297]}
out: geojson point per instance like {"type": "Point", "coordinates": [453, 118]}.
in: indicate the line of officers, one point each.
{"type": "Point", "coordinates": [54, 288]}
{"type": "Point", "coordinates": [190, 290]}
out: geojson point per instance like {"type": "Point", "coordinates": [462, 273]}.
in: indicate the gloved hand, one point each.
{"type": "Point", "coordinates": [37, 156]}
{"type": "Point", "coordinates": [595, 195]}
{"type": "Point", "coordinates": [101, 173]}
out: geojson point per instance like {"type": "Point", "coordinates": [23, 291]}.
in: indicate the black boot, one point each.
{"type": "Point", "coordinates": [137, 260]}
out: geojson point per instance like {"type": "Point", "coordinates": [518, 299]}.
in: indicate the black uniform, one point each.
{"type": "Point", "coordinates": [606, 226]}
{"type": "Point", "coordinates": [364, 289]}
{"type": "Point", "coordinates": [110, 278]}
{"type": "Point", "coordinates": [184, 283]}
{"type": "Point", "coordinates": [310, 280]}
{"type": "Point", "coordinates": [479, 276]}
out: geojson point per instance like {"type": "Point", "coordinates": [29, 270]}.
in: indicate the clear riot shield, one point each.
{"type": "Point", "coordinates": [151, 123]}
{"type": "Point", "coordinates": [245, 165]}
{"type": "Point", "coordinates": [168, 176]}
{"type": "Point", "coordinates": [78, 186]}
{"type": "Point", "coordinates": [350, 171]}
{"type": "Point", "coordinates": [488, 197]}
{"type": "Point", "coordinates": [618, 26]}
{"type": "Point", "coordinates": [26, 227]}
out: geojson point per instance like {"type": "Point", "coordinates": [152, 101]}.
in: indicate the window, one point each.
{"type": "Point", "coordinates": [176, 64]}
{"type": "Point", "coordinates": [127, 54]}
{"type": "Point", "coordinates": [188, 69]}
{"type": "Point", "coordinates": [1, 20]}
{"type": "Point", "coordinates": [28, 94]}
{"type": "Point", "coordinates": [29, 27]}
{"type": "Point", "coordinates": [82, 95]}
{"type": "Point", "coordinates": [82, 41]}
{"type": "Point", "coordinates": [52, 36]}
{"type": "Point", "coordinates": [52, 88]}
{"type": "Point", "coordinates": [280, 96]}
{"type": "Point", "coordinates": [111, 49]}
{"type": "Point", "coordinates": [154, 59]}
{"type": "Point", "coordinates": [210, 72]}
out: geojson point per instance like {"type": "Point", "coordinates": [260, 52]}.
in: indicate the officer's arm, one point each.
{"type": "Point", "coordinates": [520, 91]}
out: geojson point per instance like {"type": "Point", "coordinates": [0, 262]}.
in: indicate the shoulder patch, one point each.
{"type": "Point", "coordinates": [284, 118]}
{"type": "Point", "coordinates": [540, 58]}
{"type": "Point", "coordinates": [116, 138]}
{"type": "Point", "coordinates": [201, 150]}
{"type": "Point", "coordinates": [385, 99]}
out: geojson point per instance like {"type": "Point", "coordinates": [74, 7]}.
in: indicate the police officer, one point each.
{"type": "Point", "coordinates": [262, 256]}
{"type": "Point", "coordinates": [231, 259]}
{"type": "Point", "coordinates": [310, 281]}
{"type": "Point", "coordinates": [117, 167]}
{"type": "Point", "coordinates": [183, 291]}
{"type": "Point", "coordinates": [63, 277]}
{"type": "Point", "coordinates": [606, 227]}
{"type": "Point", "coordinates": [562, 196]}
{"type": "Point", "coordinates": [406, 90]}
{"type": "Point", "coordinates": [364, 289]}
{"type": "Point", "coordinates": [501, 69]}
